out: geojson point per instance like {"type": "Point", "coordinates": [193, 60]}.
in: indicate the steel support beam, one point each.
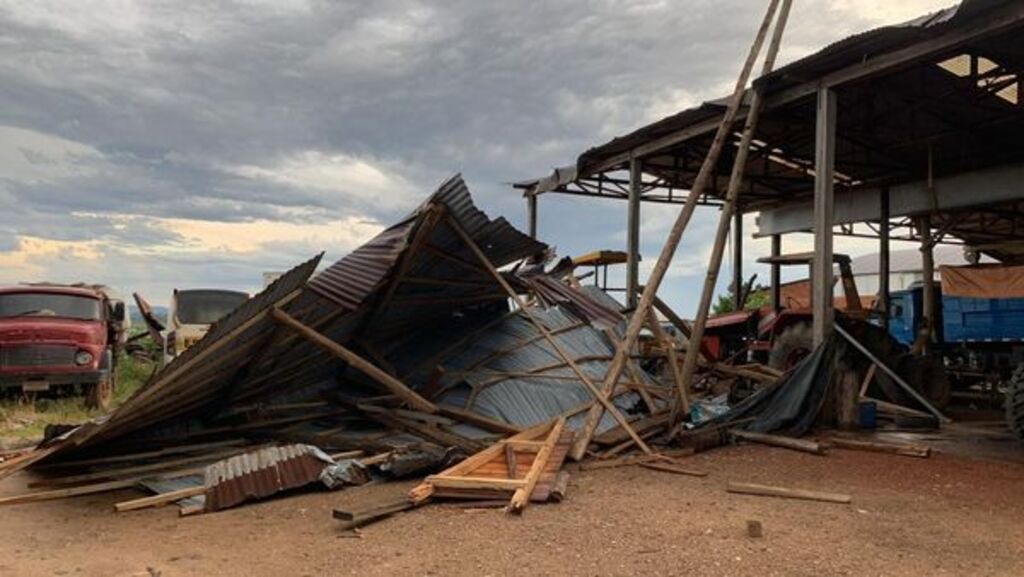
{"type": "Point", "coordinates": [737, 261]}
{"type": "Point", "coordinates": [531, 214]}
{"type": "Point", "coordinates": [633, 233]}
{"type": "Point", "coordinates": [776, 273]}
{"type": "Point", "coordinates": [924, 226]}
{"type": "Point", "coordinates": [883, 258]}
{"type": "Point", "coordinates": [824, 198]}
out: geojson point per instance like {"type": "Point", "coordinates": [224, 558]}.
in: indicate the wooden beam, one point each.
{"type": "Point", "coordinates": [521, 498]}
{"type": "Point", "coordinates": [786, 493]}
{"type": "Point", "coordinates": [600, 397]}
{"type": "Point", "coordinates": [159, 500]}
{"type": "Point", "coordinates": [668, 252]}
{"type": "Point", "coordinates": [398, 388]}
{"type": "Point", "coordinates": [778, 441]}
{"type": "Point", "coordinates": [674, 469]}
{"type": "Point", "coordinates": [729, 208]}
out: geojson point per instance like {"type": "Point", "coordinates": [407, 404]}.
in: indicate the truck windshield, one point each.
{"type": "Point", "coordinates": [204, 307]}
{"type": "Point", "coordinates": [49, 305]}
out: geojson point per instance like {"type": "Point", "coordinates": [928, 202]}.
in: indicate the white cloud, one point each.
{"type": "Point", "coordinates": [345, 175]}
{"type": "Point", "coordinates": [31, 157]}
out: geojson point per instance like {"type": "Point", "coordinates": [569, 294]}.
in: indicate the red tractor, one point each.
{"type": "Point", "coordinates": [782, 338]}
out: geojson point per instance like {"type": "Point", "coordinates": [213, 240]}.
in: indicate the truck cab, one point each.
{"type": "Point", "coordinates": [56, 336]}
{"type": "Point", "coordinates": [190, 314]}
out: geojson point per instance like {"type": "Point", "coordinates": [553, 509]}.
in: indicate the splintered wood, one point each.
{"type": "Point", "coordinates": [524, 468]}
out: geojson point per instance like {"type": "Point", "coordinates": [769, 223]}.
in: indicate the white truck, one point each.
{"type": "Point", "coordinates": [190, 313]}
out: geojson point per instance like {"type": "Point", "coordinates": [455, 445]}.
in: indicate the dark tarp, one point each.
{"type": "Point", "coordinates": [791, 405]}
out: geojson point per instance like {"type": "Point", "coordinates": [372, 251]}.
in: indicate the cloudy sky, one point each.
{"type": "Point", "coordinates": [160, 144]}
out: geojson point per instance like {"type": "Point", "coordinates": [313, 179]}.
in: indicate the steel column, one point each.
{"type": "Point", "coordinates": [776, 273]}
{"type": "Point", "coordinates": [924, 226]}
{"type": "Point", "coordinates": [531, 214]}
{"type": "Point", "coordinates": [883, 257]}
{"type": "Point", "coordinates": [737, 260]}
{"type": "Point", "coordinates": [824, 199]}
{"type": "Point", "coordinates": [633, 233]}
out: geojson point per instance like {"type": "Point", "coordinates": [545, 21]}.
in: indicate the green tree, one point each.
{"type": "Point", "coordinates": [759, 297]}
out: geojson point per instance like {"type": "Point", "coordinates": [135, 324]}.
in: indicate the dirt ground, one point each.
{"type": "Point", "coordinates": [942, 516]}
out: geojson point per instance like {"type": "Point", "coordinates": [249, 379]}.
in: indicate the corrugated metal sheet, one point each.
{"type": "Point", "coordinates": [262, 473]}
{"type": "Point", "coordinates": [350, 280]}
{"type": "Point", "coordinates": [555, 292]}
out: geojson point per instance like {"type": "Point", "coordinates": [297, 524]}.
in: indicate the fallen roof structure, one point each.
{"type": "Point", "coordinates": [409, 340]}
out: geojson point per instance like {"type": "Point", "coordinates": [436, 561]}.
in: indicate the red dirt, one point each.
{"type": "Point", "coordinates": [942, 516]}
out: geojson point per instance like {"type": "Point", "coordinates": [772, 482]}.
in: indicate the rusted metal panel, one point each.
{"type": "Point", "coordinates": [262, 473]}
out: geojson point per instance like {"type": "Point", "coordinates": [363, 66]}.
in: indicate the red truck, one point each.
{"type": "Point", "coordinates": [59, 337]}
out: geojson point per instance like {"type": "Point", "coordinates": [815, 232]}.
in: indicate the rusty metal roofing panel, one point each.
{"type": "Point", "coordinates": [262, 473]}
{"type": "Point", "coordinates": [350, 280]}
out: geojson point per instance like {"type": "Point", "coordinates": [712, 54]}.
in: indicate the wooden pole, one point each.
{"type": "Point", "coordinates": [598, 396]}
{"type": "Point", "coordinates": [670, 356]}
{"type": "Point", "coordinates": [359, 363]}
{"type": "Point", "coordinates": [672, 242]}
{"type": "Point", "coordinates": [728, 209]}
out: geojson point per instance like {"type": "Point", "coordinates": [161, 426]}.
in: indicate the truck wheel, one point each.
{"type": "Point", "coordinates": [1015, 402]}
{"type": "Point", "coordinates": [791, 346]}
{"type": "Point", "coordinates": [98, 395]}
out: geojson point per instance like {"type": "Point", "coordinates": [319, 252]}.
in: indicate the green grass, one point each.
{"type": "Point", "coordinates": [22, 421]}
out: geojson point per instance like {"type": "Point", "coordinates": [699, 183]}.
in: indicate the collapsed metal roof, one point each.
{"type": "Point", "coordinates": [415, 302]}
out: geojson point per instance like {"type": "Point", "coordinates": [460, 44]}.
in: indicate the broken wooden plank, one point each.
{"type": "Point", "coordinates": [635, 460]}
{"type": "Point", "coordinates": [802, 445]}
{"type": "Point", "coordinates": [159, 499]}
{"type": "Point", "coordinates": [360, 517]}
{"type": "Point", "coordinates": [786, 493]}
{"type": "Point", "coordinates": [560, 487]}
{"type": "Point", "coordinates": [904, 450]}
{"type": "Point", "coordinates": [475, 482]}
{"type": "Point", "coordinates": [672, 468]}
{"type": "Point", "coordinates": [357, 362]}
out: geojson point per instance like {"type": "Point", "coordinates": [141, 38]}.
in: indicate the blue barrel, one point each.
{"type": "Point", "coordinates": [868, 414]}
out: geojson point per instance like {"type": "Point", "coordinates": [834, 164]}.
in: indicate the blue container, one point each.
{"type": "Point", "coordinates": [868, 415]}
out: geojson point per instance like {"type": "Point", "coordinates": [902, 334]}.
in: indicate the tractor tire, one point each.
{"type": "Point", "coordinates": [99, 395]}
{"type": "Point", "coordinates": [1015, 402]}
{"type": "Point", "coordinates": [791, 346]}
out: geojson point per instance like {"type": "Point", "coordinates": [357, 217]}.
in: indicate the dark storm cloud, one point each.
{"type": "Point", "coordinates": [306, 111]}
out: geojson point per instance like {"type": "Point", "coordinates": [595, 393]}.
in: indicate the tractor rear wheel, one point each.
{"type": "Point", "coordinates": [1015, 402]}
{"type": "Point", "coordinates": [791, 346]}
